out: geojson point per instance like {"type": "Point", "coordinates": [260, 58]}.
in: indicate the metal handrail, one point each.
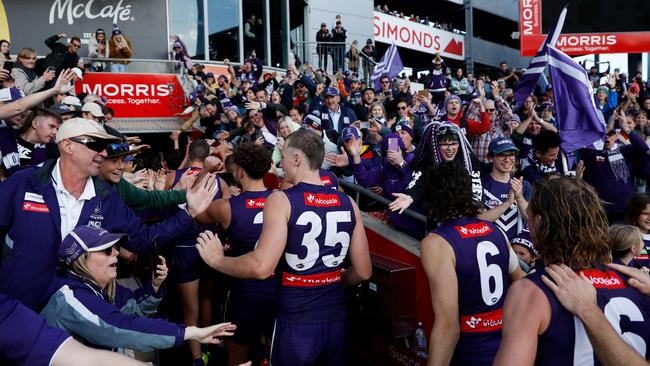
{"type": "Point", "coordinates": [379, 198]}
{"type": "Point", "coordinates": [150, 60]}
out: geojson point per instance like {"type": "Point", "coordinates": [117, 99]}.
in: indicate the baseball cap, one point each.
{"type": "Point", "coordinates": [10, 94]}
{"type": "Point", "coordinates": [209, 75]}
{"type": "Point", "coordinates": [93, 98]}
{"type": "Point", "coordinates": [122, 148]}
{"type": "Point", "coordinates": [63, 109]}
{"type": "Point", "coordinates": [76, 127]}
{"type": "Point", "coordinates": [87, 239]}
{"type": "Point", "coordinates": [331, 92]}
{"type": "Point", "coordinates": [501, 145]}
{"type": "Point", "coordinates": [93, 108]}
{"type": "Point", "coordinates": [78, 72]}
{"type": "Point", "coordinates": [71, 101]}
{"type": "Point", "coordinates": [350, 132]}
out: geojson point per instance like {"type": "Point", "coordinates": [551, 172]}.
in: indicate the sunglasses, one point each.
{"type": "Point", "coordinates": [402, 108]}
{"type": "Point", "coordinates": [76, 45]}
{"type": "Point", "coordinates": [115, 149]}
{"type": "Point", "coordinates": [96, 146]}
{"type": "Point", "coordinates": [108, 251]}
{"type": "Point", "coordinates": [490, 109]}
{"type": "Point", "coordinates": [385, 82]}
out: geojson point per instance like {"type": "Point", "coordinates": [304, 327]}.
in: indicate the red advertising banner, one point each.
{"type": "Point", "coordinates": [136, 95]}
{"type": "Point", "coordinates": [530, 36]}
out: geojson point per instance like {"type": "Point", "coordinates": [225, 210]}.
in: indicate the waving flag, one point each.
{"type": "Point", "coordinates": [526, 84]}
{"type": "Point", "coordinates": [580, 122]}
{"type": "Point", "coordinates": [390, 64]}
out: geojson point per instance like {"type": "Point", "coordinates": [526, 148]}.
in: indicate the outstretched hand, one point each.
{"type": "Point", "coordinates": [401, 203]}
{"type": "Point", "coordinates": [63, 83]}
{"type": "Point", "coordinates": [210, 248]}
{"type": "Point", "coordinates": [200, 196]}
{"type": "Point", "coordinates": [210, 334]}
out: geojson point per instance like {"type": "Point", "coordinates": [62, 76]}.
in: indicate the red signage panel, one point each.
{"type": "Point", "coordinates": [136, 95]}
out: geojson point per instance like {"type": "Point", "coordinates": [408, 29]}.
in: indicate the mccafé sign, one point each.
{"type": "Point", "coordinates": [71, 10]}
{"type": "Point", "coordinates": [419, 37]}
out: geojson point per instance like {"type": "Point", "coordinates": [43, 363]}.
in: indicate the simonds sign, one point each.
{"type": "Point", "coordinates": [31, 22]}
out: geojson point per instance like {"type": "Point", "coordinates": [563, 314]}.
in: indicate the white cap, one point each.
{"type": "Point", "coordinates": [93, 108]}
{"type": "Point", "coordinates": [76, 127]}
{"type": "Point", "coordinates": [70, 100]}
{"type": "Point", "coordinates": [93, 98]}
{"type": "Point", "coordinates": [78, 72]}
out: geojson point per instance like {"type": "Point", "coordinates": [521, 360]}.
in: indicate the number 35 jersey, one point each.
{"type": "Point", "coordinates": [565, 340]}
{"type": "Point", "coordinates": [482, 257]}
{"type": "Point", "coordinates": [319, 232]}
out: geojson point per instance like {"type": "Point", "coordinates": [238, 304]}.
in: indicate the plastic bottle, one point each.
{"type": "Point", "coordinates": [420, 341]}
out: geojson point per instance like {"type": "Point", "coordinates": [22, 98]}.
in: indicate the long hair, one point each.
{"type": "Point", "coordinates": [634, 208]}
{"type": "Point", "coordinates": [569, 224]}
{"type": "Point", "coordinates": [427, 151]}
{"type": "Point", "coordinates": [80, 268]}
{"type": "Point", "coordinates": [449, 192]}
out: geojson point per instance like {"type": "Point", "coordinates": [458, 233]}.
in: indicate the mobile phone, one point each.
{"type": "Point", "coordinates": [51, 69]}
{"type": "Point", "coordinates": [8, 65]}
{"type": "Point", "coordinates": [156, 253]}
{"type": "Point", "coordinates": [392, 144]}
{"type": "Point", "coordinates": [365, 124]}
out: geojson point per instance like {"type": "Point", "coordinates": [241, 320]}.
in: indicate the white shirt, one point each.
{"type": "Point", "coordinates": [335, 116]}
{"type": "Point", "coordinates": [70, 207]}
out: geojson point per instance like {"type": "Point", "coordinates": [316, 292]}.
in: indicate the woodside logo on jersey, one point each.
{"type": "Point", "coordinates": [322, 199]}
{"type": "Point", "coordinates": [255, 202]}
{"type": "Point", "coordinates": [473, 230]}
{"type": "Point", "coordinates": [600, 279]}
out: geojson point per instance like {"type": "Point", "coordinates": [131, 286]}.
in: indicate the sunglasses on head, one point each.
{"type": "Point", "coordinates": [94, 145]}
{"type": "Point", "coordinates": [115, 149]}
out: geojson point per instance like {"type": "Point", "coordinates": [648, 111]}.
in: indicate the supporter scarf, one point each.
{"type": "Point", "coordinates": [31, 74]}
{"type": "Point", "coordinates": [617, 163]}
{"type": "Point", "coordinates": [299, 100]}
{"type": "Point", "coordinates": [541, 167]}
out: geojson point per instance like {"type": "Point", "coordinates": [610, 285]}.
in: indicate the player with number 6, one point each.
{"type": "Point", "coordinates": [308, 231]}
{"type": "Point", "coordinates": [569, 227]}
{"type": "Point", "coordinates": [469, 265]}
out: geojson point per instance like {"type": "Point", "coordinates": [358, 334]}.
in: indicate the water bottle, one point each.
{"type": "Point", "coordinates": [420, 341]}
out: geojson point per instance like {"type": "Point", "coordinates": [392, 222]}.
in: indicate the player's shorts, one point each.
{"type": "Point", "coordinates": [303, 344]}
{"type": "Point", "coordinates": [253, 316]}
{"type": "Point", "coordinates": [187, 265]}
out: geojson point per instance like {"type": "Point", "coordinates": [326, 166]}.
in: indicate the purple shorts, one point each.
{"type": "Point", "coordinates": [306, 344]}
{"type": "Point", "coordinates": [187, 265]}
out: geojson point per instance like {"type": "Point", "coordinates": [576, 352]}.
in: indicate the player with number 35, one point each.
{"type": "Point", "coordinates": [307, 233]}
{"type": "Point", "coordinates": [469, 265]}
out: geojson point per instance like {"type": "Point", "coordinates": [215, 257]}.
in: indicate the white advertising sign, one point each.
{"type": "Point", "coordinates": [419, 37]}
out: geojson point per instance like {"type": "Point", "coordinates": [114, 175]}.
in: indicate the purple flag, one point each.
{"type": "Point", "coordinates": [580, 122]}
{"type": "Point", "coordinates": [390, 64]}
{"type": "Point", "coordinates": [526, 84]}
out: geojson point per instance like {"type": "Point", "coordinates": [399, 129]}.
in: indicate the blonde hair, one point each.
{"type": "Point", "coordinates": [80, 268]}
{"type": "Point", "coordinates": [623, 238]}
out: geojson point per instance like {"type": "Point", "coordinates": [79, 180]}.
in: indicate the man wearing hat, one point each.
{"type": "Point", "coordinates": [334, 116]}
{"type": "Point", "coordinates": [500, 126]}
{"type": "Point", "coordinates": [470, 127]}
{"type": "Point", "coordinates": [93, 112]}
{"type": "Point", "coordinates": [323, 35]}
{"type": "Point", "coordinates": [65, 193]}
{"type": "Point", "coordinates": [504, 197]}
{"type": "Point", "coordinates": [111, 172]}
{"type": "Point", "coordinates": [13, 105]}
{"type": "Point", "coordinates": [368, 55]}
{"type": "Point", "coordinates": [606, 100]}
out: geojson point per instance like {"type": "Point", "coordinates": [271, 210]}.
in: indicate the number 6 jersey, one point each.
{"type": "Point", "coordinates": [482, 257]}
{"type": "Point", "coordinates": [319, 232]}
{"type": "Point", "coordinates": [565, 341]}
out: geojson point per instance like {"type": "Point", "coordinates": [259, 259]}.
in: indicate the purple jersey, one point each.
{"type": "Point", "coordinates": [243, 233]}
{"type": "Point", "coordinates": [320, 227]}
{"type": "Point", "coordinates": [565, 341]}
{"type": "Point", "coordinates": [329, 179]}
{"type": "Point", "coordinates": [482, 257]}
{"type": "Point", "coordinates": [494, 194]}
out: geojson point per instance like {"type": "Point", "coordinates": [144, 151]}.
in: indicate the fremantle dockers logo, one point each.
{"type": "Point", "coordinates": [71, 11]}
{"type": "Point", "coordinates": [96, 217]}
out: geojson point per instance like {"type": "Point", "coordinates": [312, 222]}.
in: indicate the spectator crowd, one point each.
{"type": "Point", "coordinates": [107, 206]}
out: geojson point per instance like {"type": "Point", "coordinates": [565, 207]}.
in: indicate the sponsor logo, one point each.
{"type": "Point", "coordinates": [401, 358]}
{"type": "Point", "coordinates": [322, 199]}
{"type": "Point", "coordinates": [473, 230]}
{"type": "Point", "coordinates": [35, 207]}
{"type": "Point", "coordinates": [326, 180]}
{"type": "Point", "coordinates": [29, 196]}
{"type": "Point", "coordinates": [314, 280]}
{"type": "Point", "coordinates": [128, 90]}
{"type": "Point", "coordinates": [529, 17]}
{"type": "Point", "coordinates": [587, 40]}
{"type": "Point", "coordinates": [255, 202]}
{"type": "Point", "coordinates": [68, 10]}
{"type": "Point", "coordinates": [600, 279]}
{"type": "Point", "coordinates": [478, 323]}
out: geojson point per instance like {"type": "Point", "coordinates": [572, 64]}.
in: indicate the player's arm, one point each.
{"type": "Point", "coordinates": [218, 212]}
{"type": "Point", "coordinates": [514, 270]}
{"type": "Point", "coordinates": [578, 296]}
{"type": "Point", "coordinates": [526, 314]}
{"type": "Point", "coordinates": [361, 268]}
{"type": "Point", "coordinates": [260, 263]}
{"type": "Point", "coordinates": [439, 263]}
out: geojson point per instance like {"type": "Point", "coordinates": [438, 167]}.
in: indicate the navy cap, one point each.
{"type": "Point", "coordinates": [209, 75]}
{"type": "Point", "coordinates": [501, 145]}
{"type": "Point", "coordinates": [404, 126]}
{"type": "Point", "coordinates": [331, 92]}
{"type": "Point", "coordinates": [86, 239]}
{"type": "Point", "coordinates": [313, 120]}
{"type": "Point", "coordinates": [350, 132]}
{"type": "Point", "coordinates": [524, 239]}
